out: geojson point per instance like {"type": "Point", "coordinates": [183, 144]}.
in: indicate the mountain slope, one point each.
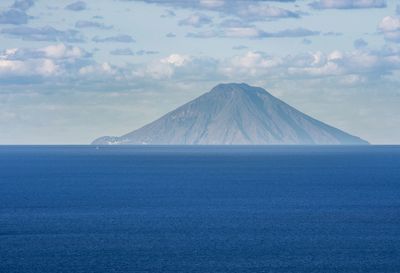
{"type": "Point", "coordinates": [235, 114]}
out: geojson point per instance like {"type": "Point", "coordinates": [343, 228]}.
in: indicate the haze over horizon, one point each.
{"type": "Point", "coordinates": [71, 71]}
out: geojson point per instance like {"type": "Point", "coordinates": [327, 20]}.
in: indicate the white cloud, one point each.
{"type": "Point", "coordinates": [8, 52]}
{"type": "Point", "coordinates": [390, 27]}
{"type": "Point", "coordinates": [347, 67]}
{"type": "Point", "coordinates": [176, 60]}
{"type": "Point", "coordinates": [242, 32]}
{"type": "Point", "coordinates": [317, 58]}
{"type": "Point", "coordinates": [327, 69]}
{"type": "Point", "coordinates": [62, 51]}
{"type": "Point", "coordinates": [163, 68]}
{"type": "Point", "coordinates": [60, 60]}
{"type": "Point", "coordinates": [178, 67]}
{"type": "Point", "coordinates": [257, 60]}
{"type": "Point", "coordinates": [56, 51]}
{"type": "Point", "coordinates": [47, 68]}
{"type": "Point", "coordinates": [335, 55]}
{"type": "Point", "coordinates": [48, 61]}
{"type": "Point", "coordinates": [196, 20]}
{"type": "Point", "coordinates": [363, 63]}
{"type": "Point", "coordinates": [40, 67]}
{"type": "Point", "coordinates": [251, 63]}
{"type": "Point", "coordinates": [389, 23]}
{"type": "Point", "coordinates": [12, 66]}
{"type": "Point", "coordinates": [96, 69]}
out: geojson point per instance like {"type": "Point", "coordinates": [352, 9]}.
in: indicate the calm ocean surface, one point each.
{"type": "Point", "coordinates": [199, 209]}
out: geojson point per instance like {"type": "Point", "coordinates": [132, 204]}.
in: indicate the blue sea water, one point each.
{"type": "Point", "coordinates": [199, 209]}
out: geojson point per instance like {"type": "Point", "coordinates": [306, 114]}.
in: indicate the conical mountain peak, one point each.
{"type": "Point", "coordinates": [237, 88]}
{"type": "Point", "coordinates": [235, 113]}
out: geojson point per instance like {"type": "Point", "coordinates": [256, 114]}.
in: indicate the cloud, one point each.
{"type": "Point", "coordinates": [234, 32]}
{"type": "Point", "coordinates": [61, 62]}
{"type": "Point", "coordinates": [253, 33]}
{"type": "Point", "coordinates": [196, 20]}
{"type": "Point", "coordinates": [239, 47]}
{"type": "Point", "coordinates": [46, 33]}
{"type": "Point", "coordinates": [26, 65]}
{"type": "Point", "coordinates": [390, 27]}
{"type": "Point", "coordinates": [16, 14]}
{"type": "Point", "coordinates": [76, 6]}
{"type": "Point", "coordinates": [129, 52]}
{"type": "Point", "coordinates": [13, 17]}
{"type": "Point", "coordinates": [296, 32]}
{"type": "Point", "coordinates": [178, 67]}
{"type": "Point", "coordinates": [43, 67]}
{"type": "Point", "coordinates": [55, 63]}
{"type": "Point", "coordinates": [343, 68]}
{"type": "Point", "coordinates": [118, 39]}
{"type": "Point", "coordinates": [317, 64]}
{"type": "Point", "coordinates": [360, 43]}
{"type": "Point", "coordinates": [168, 14]}
{"type": "Point", "coordinates": [91, 24]}
{"type": "Point", "coordinates": [367, 65]}
{"type": "Point", "coordinates": [23, 4]}
{"type": "Point", "coordinates": [55, 52]}
{"type": "Point", "coordinates": [212, 3]}
{"type": "Point", "coordinates": [122, 52]}
{"type": "Point", "coordinates": [252, 10]}
{"type": "Point", "coordinates": [98, 69]}
{"type": "Point", "coordinates": [146, 52]}
{"type": "Point", "coordinates": [227, 23]}
{"type": "Point", "coordinates": [250, 64]}
{"type": "Point", "coordinates": [62, 51]}
{"type": "Point", "coordinates": [332, 33]}
{"type": "Point", "coordinates": [398, 10]}
{"type": "Point", "coordinates": [335, 67]}
{"type": "Point", "coordinates": [170, 35]}
{"type": "Point", "coordinates": [348, 4]}
{"type": "Point", "coordinates": [175, 60]}
{"type": "Point", "coordinates": [260, 12]}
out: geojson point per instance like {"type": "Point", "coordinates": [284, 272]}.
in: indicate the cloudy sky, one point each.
{"type": "Point", "coordinates": [71, 71]}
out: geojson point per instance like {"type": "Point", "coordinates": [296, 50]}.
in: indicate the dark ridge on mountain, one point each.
{"type": "Point", "coordinates": [235, 114]}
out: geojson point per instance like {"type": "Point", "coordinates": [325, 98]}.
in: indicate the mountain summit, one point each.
{"type": "Point", "coordinates": [235, 114]}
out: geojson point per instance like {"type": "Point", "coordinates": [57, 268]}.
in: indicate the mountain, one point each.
{"type": "Point", "coordinates": [235, 114]}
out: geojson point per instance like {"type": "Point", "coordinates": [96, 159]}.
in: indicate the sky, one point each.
{"type": "Point", "coordinates": [72, 71]}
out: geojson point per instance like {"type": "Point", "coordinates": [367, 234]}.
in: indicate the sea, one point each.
{"type": "Point", "coordinates": [227, 209]}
